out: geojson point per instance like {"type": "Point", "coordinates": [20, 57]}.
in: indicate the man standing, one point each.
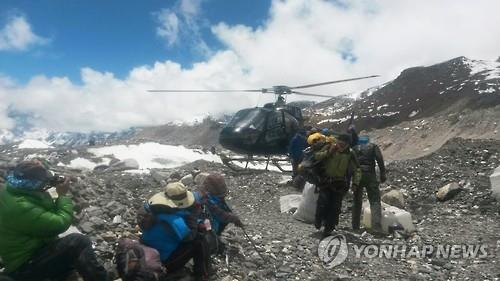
{"type": "Point", "coordinates": [336, 158]}
{"type": "Point", "coordinates": [368, 153]}
{"type": "Point", "coordinates": [296, 150]}
{"type": "Point", "coordinates": [30, 221]}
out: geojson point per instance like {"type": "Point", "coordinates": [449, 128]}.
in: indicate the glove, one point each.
{"type": "Point", "coordinates": [383, 178]}
{"type": "Point", "coordinates": [237, 221]}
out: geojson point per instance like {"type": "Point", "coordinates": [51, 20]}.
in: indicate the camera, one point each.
{"type": "Point", "coordinates": [56, 179]}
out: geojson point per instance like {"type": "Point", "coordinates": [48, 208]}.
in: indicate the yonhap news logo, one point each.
{"type": "Point", "coordinates": [334, 250]}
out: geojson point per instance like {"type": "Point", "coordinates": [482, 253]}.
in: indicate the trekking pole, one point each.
{"type": "Point", "coordinates": [254, 246]}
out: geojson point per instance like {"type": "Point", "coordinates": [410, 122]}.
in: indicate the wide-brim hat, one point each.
{"type": "Point", "coordinates": [175, 195]}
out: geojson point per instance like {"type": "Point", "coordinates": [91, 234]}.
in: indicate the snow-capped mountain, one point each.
{"type": "Point", "coordinates": [418, 92]}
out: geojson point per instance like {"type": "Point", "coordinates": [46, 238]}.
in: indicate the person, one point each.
{"type": "Point", "coordinates": [335, 159]}
{"type": "Point", "coordinates": [169, 224]}
{"type": "Point", "coordinates": [368, 153]}
{"type": "Point", "coordinates": [30, 222]}
{"type": "Point", "coordinates": [296, 150]}
{"type": "Point", "coordinates": [212, 194]}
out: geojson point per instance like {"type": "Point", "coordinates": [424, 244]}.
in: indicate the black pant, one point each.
{"type": "Point", "coordinates": [60, 258]}
{"type": "Point", "coordinates": [196, 250]}
{"type": "Point", "coordinates": [330, 205]}
{"type": "Point", "coordinates": [295, 166]}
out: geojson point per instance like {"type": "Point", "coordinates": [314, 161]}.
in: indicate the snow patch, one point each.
{"type": "Point", "coordinates": [413, 113]}
{"type": "Point", "coordinates": [29, 143]}
{"type": "Point", "coordinates": [154, 155]}
{"type": "Point", "coordinates": [82, 163]}
{"type": "Point", "coordinates": [490, 69]}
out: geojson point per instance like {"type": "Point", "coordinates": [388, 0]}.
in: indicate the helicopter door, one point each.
{"type": "Point", "coordinates": [275, 129]}
{"type": "Point", "coordinates": [291, 125]}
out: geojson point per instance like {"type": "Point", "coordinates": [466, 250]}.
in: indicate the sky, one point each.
{"type": "Point", "coordinates": [87, 65]}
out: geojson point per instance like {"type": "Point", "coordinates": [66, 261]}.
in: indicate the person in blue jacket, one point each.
{"type": "Point", "coordinates": [296, 150]}
{"type": "Point", "coordinates": [212, 194]}
{"type": "Point", "coordinates": [170, 225]}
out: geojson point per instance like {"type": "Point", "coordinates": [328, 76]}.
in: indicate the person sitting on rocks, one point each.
{"type": "Point", "coordinates": [169, 224]}
{"type": "Point", "coordinates": [30, 222]}
{"type": "Point", "coordinates": [212, 194]}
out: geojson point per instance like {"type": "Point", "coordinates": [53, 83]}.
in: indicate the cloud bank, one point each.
{"type": "Point", "coordinates": [301, 42]}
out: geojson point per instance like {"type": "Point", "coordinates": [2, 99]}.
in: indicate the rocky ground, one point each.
{"type": "Point", "coordinates": [107, 204]}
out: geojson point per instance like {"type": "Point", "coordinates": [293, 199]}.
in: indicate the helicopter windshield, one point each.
{"type": "Point", "coordinates": [253, 118]}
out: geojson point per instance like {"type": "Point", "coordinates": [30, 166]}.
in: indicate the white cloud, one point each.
{"type": "Point", "coordinates": [169, 26]}
{"type": "Point", "coordinates": [181, 25]}
{"type": "Point", "coordinates": [17, 35]}
{"type": "Point", "coordinates": [301, 42]}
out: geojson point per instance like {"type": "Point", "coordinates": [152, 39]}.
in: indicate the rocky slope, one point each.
{"type": "Point", "coordinates": [107, 203]}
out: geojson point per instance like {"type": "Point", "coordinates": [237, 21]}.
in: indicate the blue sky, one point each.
{"type": "Point", "coordinates": [87, 65]}
{"type": "Point", "coordinates": [110, 36]}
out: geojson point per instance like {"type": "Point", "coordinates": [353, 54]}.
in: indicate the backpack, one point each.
{"type": "Point", "coordinates": [137, 262]}
{"type": "Point", "coordinates": [310, 168]}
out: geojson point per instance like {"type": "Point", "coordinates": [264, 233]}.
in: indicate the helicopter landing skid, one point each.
{"type": "Point", "coordinates": [256, 163]}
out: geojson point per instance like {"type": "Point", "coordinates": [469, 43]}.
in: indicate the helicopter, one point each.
{"type": "Point", "coordinates": [264, 132]}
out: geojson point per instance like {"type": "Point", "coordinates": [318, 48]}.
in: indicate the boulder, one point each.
{"type": "Point", "coordinates": [200, 178]}
{"type": "Point", "coordinates": [187, 180]}
{"type": "Point", "coordinates": [495, 183]}
{"type": "Point", "coordinates": [390, 216]}
{"type": "Point", "coordinates": [125, 164]}
{"type": "Point", "coordinates": [448, 191]}
{"type": "Point", "coordinates": [290, 202]}
{"type": "Point", "coordinates": [394, 198]}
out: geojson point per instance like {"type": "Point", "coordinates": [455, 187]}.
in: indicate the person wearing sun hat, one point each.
{"type": "Point", "coordinates": [30, 222]}
{"type": "Point", "coordinates": [172, 229]}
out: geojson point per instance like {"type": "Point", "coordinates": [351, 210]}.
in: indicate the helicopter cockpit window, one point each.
{"type": "Point", "coordinates": [253, 118]}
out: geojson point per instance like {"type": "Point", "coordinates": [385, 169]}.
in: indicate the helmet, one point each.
{"type": "Point", "coordinates": [315, 137]}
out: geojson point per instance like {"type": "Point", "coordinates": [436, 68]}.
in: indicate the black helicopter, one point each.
{"type": "Point", "coordinates": [267, 130]}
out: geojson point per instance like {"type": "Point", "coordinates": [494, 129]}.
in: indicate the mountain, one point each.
{"type": "Point", "coordinates": [447, 87]}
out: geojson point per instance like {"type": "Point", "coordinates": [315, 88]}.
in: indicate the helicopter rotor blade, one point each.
{"type": "Point", "coordinates": [333, 82]}
{"type": "Point", "coordinates": [311, 95]}
{"type": "Point", "coordinates": [207, 91]}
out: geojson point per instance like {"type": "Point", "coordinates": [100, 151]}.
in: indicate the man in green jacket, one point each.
{"type": "Point", "coordinates": [30, 222]}
{"type": "Point", "coordinates": [336, 158]}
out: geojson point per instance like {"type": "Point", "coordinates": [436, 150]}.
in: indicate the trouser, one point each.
{"type": "Point", "coordinates": [370, 183]}
{"type": "Point", "coordinates": [330, 204]}
{"type": "Point", "coordinates": [196, 250]}
{"type": "Point", "coordinates": [60, 258]}
{"type": "Point", "coordinates": [295, 167]}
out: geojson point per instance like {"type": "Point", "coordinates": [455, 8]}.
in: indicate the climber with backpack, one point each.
{"type": "Point", "coordinates": [170, 224]}
{"type": "Point", "coordinates": [216, 214]}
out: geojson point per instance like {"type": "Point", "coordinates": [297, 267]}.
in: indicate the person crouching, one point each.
{"type": "Point", "coordinates": [212, 194]}
{"type": "Point", "coordinates": [173, 230]}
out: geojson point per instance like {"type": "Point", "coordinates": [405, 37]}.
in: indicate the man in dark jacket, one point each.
{"type": "Point", "coordinates": [336, 158]}
{"type": "Point", "coordinates": [296, 150]}
{"type": "Point", "coordinates": [30, 222]}
{"type": "Point", "coordinates": [368, 153]}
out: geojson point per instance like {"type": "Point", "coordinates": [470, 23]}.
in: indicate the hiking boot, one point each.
{"type": "Point", "coordinates": [318, 224]}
